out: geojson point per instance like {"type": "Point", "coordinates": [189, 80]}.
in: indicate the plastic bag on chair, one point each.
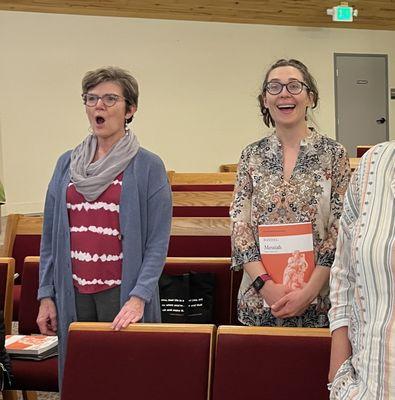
{"type": "Point", "coordinates": [187, 298]}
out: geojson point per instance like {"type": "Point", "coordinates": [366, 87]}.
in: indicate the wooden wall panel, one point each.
{"type": "Point", "coordinates": [379, 15]}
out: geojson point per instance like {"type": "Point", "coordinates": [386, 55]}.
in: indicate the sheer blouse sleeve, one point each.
{"type": "Point", "coordinates": [244, 242]}
{"type": "Point", "coordinates": [340, 178]}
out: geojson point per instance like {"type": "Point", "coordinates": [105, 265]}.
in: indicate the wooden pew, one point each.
{"type": "Point", "coordinates": [200, 226]}
{"type": "Point", "coordinates": [143, 361]}
{"type": "Point", "coordinates": [7, 270]}
{"type": "Point", "coordinates": [32, 375]}
{"type": "Point", "coordinates": [220, 267]}
{"type": "Point", "coordinates": [200, 237]}
{"type": "Point", "coordinates": [201, 178]}
{"type": "Point", "coordinates": [22, 239]}
{"type": "Point", "coordinates": [362, 149]}
{"type": "Point", "coordinates": [228, 168]}
{"type": "Point", "coordinates": [353, 162]}
{"type": "Point", "coordinates": [286, 363]}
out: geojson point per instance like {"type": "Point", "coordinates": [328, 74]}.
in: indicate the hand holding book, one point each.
{"type": "Point", "coordinates": [292, 304]}
{"type": "Point", "coordinates": [272, 292]}
{"type": "Point", "coordinates": [288, 256]}
{"type": "Point", "coordinates": [295, 302]}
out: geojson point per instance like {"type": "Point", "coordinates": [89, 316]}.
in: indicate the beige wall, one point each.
{"type": "Point", "coordinates": [198, 83]}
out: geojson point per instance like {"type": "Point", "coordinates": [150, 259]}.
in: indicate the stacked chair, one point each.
{"type": "Point", "coordinates": [271, 363]}
{"type": "Point", "coordinates": [143, 361]}
{"type": "Point", "coordinates": [31, 375]}
{"type": "Point", "coordinates": [22, 239]}
{"type": "Point", "coordinates": [174, 361]}
{"type": "Point", "coordinates": [7, 270]}
{"type": "Point", "coordinates": [200, 225]}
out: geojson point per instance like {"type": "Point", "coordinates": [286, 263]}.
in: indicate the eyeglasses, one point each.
{"type": "Point", "coordinates": [109, 99]}
{"type": "Point", "coordinates": [293, 87]}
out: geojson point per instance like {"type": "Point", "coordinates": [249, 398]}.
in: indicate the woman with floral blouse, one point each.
{"type": "Point", "coordinates": [293, 175]}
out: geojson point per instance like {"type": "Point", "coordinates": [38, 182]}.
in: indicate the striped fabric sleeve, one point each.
{"type": "Point", "coordinates": [342, 279]}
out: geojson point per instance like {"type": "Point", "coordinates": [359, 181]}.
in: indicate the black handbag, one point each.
{"type": "Point", "coordinates": [187, 298]}
{"type": "Point", "coordinates": [5, 362]}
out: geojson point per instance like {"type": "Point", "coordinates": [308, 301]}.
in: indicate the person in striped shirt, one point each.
{"type": "Point", "coordinates": [362, 284]}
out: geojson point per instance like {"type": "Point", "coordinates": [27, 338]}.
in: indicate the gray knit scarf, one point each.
{"type": "Point", "coordinates": [91, 179]}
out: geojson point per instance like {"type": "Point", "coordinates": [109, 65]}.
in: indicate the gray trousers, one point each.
{"type": "Point", "coordinates": [98, 307]}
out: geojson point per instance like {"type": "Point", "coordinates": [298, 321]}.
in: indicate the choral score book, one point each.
{"type": "Point", "coordinates": [287, 253]}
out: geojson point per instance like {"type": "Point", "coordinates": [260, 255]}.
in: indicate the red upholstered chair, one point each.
{"type": "Point", "coordinates": [7, 269]}
{"type": "Point", "coordinates": [228, 167]}
{"type": "Point", "coordinates": [277, 363]}
{"type": "Point", "coordinates": [362, 149]}
{"type": "Point", "coordinates": [143, 361]}
{"type": "Point", "coordinates": [223, 279]}
{"type": "Point", "coordinates": [201, 214]}
{"type": "Point", "coordinates": [22, 239]}
{"type": "Point", "coordinates": [200, 237]}
{"type": "Point", "coordinates": [33, 375]}
{"type": "Point", "coordinates": [202, 194]}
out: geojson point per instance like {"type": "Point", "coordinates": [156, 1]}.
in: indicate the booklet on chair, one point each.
{"type": "Point", "coordinates": [34, 347]}
{"type": "Point", "coordinates": [287, 253]}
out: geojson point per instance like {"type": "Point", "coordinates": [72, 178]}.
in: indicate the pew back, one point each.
{"type": "Point", "coordinates": [287, 363]}
{"type": "Point", "coordinates": [142, 361]}
{"type": "Point", "coordinates": [7, 270]}
{"type": "Point", "coordinates": [220, 267]}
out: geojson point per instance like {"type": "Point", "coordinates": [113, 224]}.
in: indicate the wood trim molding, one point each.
{"type": "Point", "coordinates": [272, 331]}
{"type": "Point", "coordinates": [202, 199]}
{"type": "Point", "coordinates": [142, 327]}
{"type": "Point", "coordinates": [200, 226]}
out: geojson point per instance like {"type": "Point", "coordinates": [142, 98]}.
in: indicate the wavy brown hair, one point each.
{"type": "Point", "coordinates": [307, 78]}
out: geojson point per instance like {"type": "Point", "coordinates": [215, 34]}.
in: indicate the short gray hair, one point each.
{"type": "Point", "coordinates": [123, 78]}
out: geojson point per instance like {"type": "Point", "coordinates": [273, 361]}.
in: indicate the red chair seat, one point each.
{"type": "Point", "coordinates": [36, 375]}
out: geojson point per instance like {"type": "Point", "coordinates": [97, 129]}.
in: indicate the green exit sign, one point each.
{"type": "Point", "coordinates": [343, 14]}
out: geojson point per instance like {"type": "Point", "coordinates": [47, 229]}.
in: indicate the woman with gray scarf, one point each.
{"type": "Point", "coordinates": [107, 220]}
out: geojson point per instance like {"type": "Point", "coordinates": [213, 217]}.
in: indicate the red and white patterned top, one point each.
{"type": "Point", "coordinates": [95, 239]}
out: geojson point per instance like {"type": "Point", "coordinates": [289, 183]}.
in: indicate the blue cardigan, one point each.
{"type": "Point", "coordinates": [145, 220]}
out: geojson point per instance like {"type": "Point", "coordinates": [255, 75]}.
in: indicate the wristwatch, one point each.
{"type": "Point", "coordinates": [260, 281]}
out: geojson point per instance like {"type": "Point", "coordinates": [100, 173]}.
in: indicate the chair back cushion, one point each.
{"type": "Point", "coordinates": [199, 246]}
{"type": "Point", "coordinates": [29, 305]}
{"type": "Point", "coordinates": [283, 367]}
{"type": "Point", "coordinates": [104, 365]}
{"type": "Point", "coordinates": [24, 246]}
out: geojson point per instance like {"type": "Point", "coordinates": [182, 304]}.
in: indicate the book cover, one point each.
{"type": "Point", "coordinates": [31, 345]}
{"type": "Point", "coordinates": [287, 253]}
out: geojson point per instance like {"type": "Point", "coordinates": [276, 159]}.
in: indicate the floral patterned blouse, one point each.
{"type": "Point", "coordinates": [314, 192]}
